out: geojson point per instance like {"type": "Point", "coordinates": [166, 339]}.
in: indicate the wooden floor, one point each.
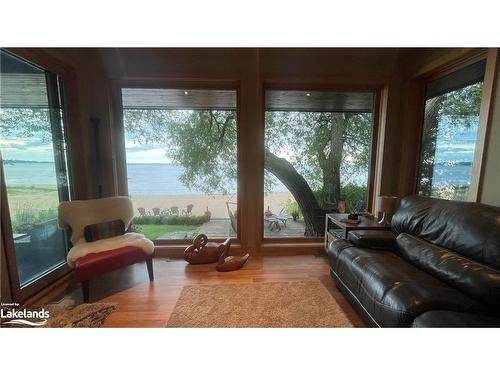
{"type": "Point", "coordinates": [145, 304]}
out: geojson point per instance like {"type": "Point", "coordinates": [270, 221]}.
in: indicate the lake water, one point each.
{"type": "Point", "coordinates": [163, 179]}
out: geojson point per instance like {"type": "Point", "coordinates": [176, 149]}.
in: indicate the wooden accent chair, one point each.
{"type": "Point", "coordinates": [106, 251]}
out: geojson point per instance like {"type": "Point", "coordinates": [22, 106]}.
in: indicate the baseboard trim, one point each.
{"type": "Point", "coordinates": [47, 294]}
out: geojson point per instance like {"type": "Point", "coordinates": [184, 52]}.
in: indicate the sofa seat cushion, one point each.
{"type": "Point", "coordinates": [453, 319]}
{"type": "Point", "coordinates": [95, 264]}
{"type": "Point", "coordinates": [474, 279]}
{"type": "Point", "coordinates": [390, 289]}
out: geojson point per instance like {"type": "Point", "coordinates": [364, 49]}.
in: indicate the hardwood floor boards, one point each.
{"type": "Point", "coordinates": [145, 304]}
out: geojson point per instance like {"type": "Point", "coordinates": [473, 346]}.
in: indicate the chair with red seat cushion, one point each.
{"type": "Point", "coordinates": [96, 264]}
{"type": "Point", "coordinates": [102, 251]}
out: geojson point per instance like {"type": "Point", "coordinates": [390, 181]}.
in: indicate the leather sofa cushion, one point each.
{"type": "Point", "coordinates": [390, 289]}
{"type": "Point", "coordinates": [470, 229]}
{"type": "Point", "coordinates": [375, 239]}
{"type": "Point", "coordinates": [453, 319]}
{"type": "Point", "coordinates": [471, 278]}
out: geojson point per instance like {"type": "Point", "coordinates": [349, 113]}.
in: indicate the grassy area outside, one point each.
{"type": "Point", "coordinates": [153, 231]}
{"type": "Point", "coordinates": [31, 204]}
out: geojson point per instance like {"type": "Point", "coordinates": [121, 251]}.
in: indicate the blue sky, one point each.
{"type": "Point", "coordinates": [34, 149]}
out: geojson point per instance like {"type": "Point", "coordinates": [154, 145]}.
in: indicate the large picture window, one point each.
{"type": "Point", "coordinates": [181, 153]}
{"type": "Point", "coordinates": [317, 157]}
{"type": "Point", "coordinates": [33, 151]}
{"type": "Point", "coordinates": [449, 135]}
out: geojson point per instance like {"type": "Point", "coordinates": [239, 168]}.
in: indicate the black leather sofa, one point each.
{"type": "Point", "coordinates": [439, 266]}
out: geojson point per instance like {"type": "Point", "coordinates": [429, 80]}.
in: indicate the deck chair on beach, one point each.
{"type": "Point", "coordinates": [142, 211]}
{"type": "Point", "coordinates": [233, 217]}
{"type": "Point", "coordinates": [189, 209]}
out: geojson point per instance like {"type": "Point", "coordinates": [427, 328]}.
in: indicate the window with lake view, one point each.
{"type": "Point", "coordinates": [33, 154]}
{"type": "Point", "coordinates": [181, 153]}
{"type": "Point", "coordinates": [449, 135]}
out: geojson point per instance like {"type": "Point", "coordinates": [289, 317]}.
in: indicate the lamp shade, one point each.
{"type": "Point", "coordinates": [386, 204]}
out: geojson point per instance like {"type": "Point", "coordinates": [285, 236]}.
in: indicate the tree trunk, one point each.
{"type": "Point", "coordinates": [429, 138]}
{"type": "Point", "coordinates": [314, 215]}
{"type": "Point", "coordinates": [331, 166]}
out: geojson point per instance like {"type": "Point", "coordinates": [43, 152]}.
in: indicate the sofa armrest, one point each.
{"type": "Point", "coordinates": [374, 239]}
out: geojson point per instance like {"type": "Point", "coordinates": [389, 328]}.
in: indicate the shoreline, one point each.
{"type": "Point", "coordinates": [216, 203]}
{"type": "Point", "coordinates": [44, 196]}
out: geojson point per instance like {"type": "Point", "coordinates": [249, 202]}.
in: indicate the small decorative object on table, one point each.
{"type": "Point", "coordinates": [202, 251]}
{"type": "Point", "coordinates": [352, 218]}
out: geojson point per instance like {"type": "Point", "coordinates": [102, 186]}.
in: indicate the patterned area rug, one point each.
{"type": "Point", "coordinates": [277, 304]}
{"type": "Point", "coordinates": [65, 314]}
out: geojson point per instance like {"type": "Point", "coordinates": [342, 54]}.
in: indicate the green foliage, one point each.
{"type": "Point", "coordinates": [172, 219]}
{"type": "Point", "coordinates": [203, 142]}
{"type": "Point", "coordinates": [153, 231]}
{"type": "Point", "coordinates": [305, 140]}
{"type": "Point", "coordinates": [450, 192]}
{"type": "Point", "coordinates": [14, 190]}
{"type": "Point", "coordinates": [26, 217]}
{"type": "Point", "coordinates": [292, 207]}
{"type": "Point", "coordinates": [26, 122]}
{"type": "Point", "coordinates": [354, 196]}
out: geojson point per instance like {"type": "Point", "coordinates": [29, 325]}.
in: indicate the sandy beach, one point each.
{"type": "Point", "coordinates": [216, 203]}
{"type": "Point", "coordinates": [43, 197]}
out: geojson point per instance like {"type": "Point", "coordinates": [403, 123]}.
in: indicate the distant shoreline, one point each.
{"type": "Point", "coordinates": [15, 161]}
{"type": "Point", "coordinates": [10, 161]}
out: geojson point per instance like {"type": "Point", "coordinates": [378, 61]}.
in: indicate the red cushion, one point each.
{"type": "Point", "coordinates": [95, 264]}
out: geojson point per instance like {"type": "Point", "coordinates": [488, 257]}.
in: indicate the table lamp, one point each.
{"type": "Point", "coordinates": [387, 205]}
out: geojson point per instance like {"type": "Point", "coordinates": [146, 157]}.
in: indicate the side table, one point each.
{"type": "Point", "coordinates": [335, 227]}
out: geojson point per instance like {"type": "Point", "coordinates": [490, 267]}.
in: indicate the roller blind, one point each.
{"type": "Point", "coordinates": [461, 78]}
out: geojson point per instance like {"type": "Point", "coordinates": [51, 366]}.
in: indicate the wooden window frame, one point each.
{"type": "Point", "coordinates": [421, 81]}
{"type": "Point", "coordinates": [283, 245]}
{"type": "Point", "coordinates": [171, 247]}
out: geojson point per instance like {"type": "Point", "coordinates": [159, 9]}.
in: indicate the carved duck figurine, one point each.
{"type": "Point", "coordinates": [231, 262]}
{"type": "Point", "coordinates": [202, 251]}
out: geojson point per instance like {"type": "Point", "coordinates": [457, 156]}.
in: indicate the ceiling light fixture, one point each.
{"type": "Point", "coordinates": [186, 93]}
{"type": "Point", "coordinates": [308, 94]}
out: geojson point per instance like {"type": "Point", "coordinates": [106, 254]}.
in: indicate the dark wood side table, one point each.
{"type": "Point", "coordinates": [336, 228]}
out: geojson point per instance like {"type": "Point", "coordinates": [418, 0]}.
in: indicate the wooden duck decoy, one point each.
{"type": "Point", "coordinates": [202, 251]}
{"type": "Point", "coordinates": [231, 262]}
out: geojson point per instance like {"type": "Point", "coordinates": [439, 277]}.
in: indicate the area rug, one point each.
{"type": "Point", "coordinates": [276, 304]}
{"type": "Point", "coordinates": [65, 314]}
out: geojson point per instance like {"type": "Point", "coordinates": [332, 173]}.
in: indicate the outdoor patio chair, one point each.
{"type": "Point", "coordinates": [189, 209]}
{"type": "Point", "coordinates": [142, 211]}
{"type": "Point", "coordinates": [174, 210]}
{"type": "Point", "coordinates": [156, 211]}
{"type": "Point", "coordinates": [273, 222]}
{"type": "Point", "coordinates": [233, 216]}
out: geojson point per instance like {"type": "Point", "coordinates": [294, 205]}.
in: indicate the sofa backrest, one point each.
{"type": "Point", "coordinates": [470, 229]}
